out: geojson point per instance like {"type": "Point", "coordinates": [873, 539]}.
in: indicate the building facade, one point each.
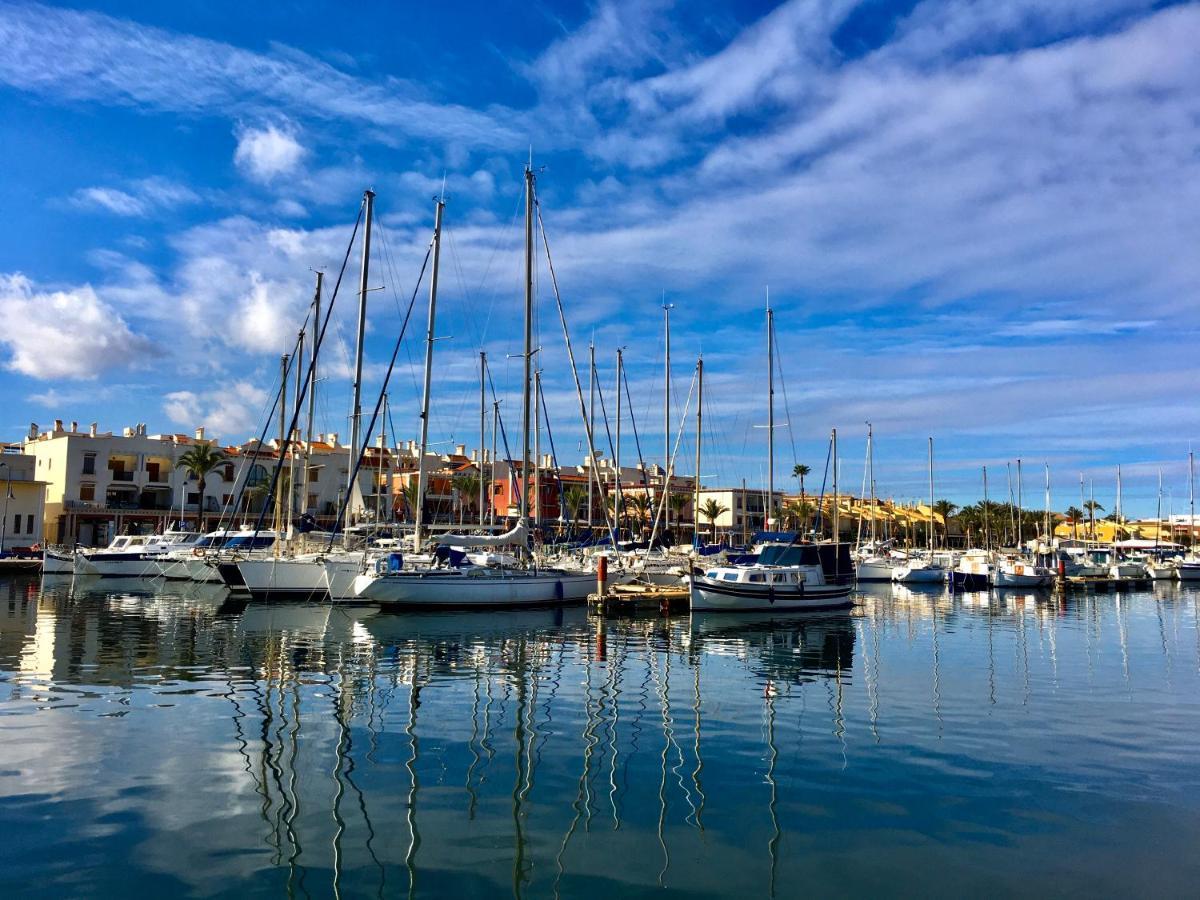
{"type": "Point", "coordinates": [22, 500]}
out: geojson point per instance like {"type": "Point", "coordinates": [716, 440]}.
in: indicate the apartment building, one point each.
{"type": "Point", "coordinates": [101, 484]}
{"type": "Point", "coordinates": [22, 499]}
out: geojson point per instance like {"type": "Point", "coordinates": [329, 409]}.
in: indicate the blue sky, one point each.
{"type": "Point", "coordinates": [978, 220]}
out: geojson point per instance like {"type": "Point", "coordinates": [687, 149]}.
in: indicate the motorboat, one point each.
{"type": "Point", "coordinates": [875, 568]}
{"type": "Point", "coordinates": [918, 570]}
{"type": "Point", "coordinates": [132, 555]}
{"type": "Point", "coordinates": [1013, 571]}
{"type": "Point", "coordinates": [197, 562]}
{"type": "Point", "coordinates": [973, 572]}
{"type": "Point", "coordinates": [1188, 568]}
{"type": "Point", "coordinates": [785, 577]}
{"type": "Point", "coordinates": [57, 561]}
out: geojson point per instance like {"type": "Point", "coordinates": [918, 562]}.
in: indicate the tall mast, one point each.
{"type": "Point", "coordinates": [771, 417]}
{"type": "Point", "coordinates": [283, 374]}
{"type": "Point", "coordinates": [666, 489]}
{"type": "Point", "coordinates": [871, 476]}
{"type": "Point", "coordinates": [528, 355]}
{"type": "Point", "coordinates": [591, 424]}
{"type": "Point", "coordinates": [312, 394]}
{"type": "Point", "coordinates": [1158, 512]}
{"type": "Point", "coordinates": [356, 404]}
{"type": "Point", "coordinates": [837, 521]}
{"type": "Point", "coordinates": [492, 464]}
{"type": "Point", "coordinates": [380, 483]}
{"type": "Point", "coordinates": [482, 429]}
{"type": "Point", "coordinates": [419, 512]}
{"type": "Point", "coordinates": [987, 518]}
{"type": "Point", "coordinates": [1020, 509]}
{"type": "Point", "coordinates": [1117, 529]}
{"type": "Point", "coordinates": [1191, 504]}
{"type": "Point", "coordinates": [1046, 522]}
{"type": "Point", "coordinates": [931, 495]}
{"type": "Point", "coordinates": [291, 489]}
{"type": "Point", "coordinates": [699, 431]}
{"type": "Point", "coordinates": [1082, 503]}
{"type": "Point", "coordinates": [617, 462]}
{"type": "Point", "coordinates": [537, 445]}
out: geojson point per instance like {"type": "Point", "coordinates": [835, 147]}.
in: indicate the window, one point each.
{"type": "Point", "coordinates": [17, 524]}
{"type": "Point", "coordinates": [89, 464]}
{"type": "Point", "coordinates": [193, 497]}
{"type": "Point", "coordinates": [87, 491]}
{"type": "Point", "coordinates": [757, 577]}
{"type": "Point", "coordinates": [731, 576]}
{"type": "Point", "coordinates": [227, 472]}
{"type": "Point", "coordinates": [779, 579]}
{"type": "Point", "coordinates": [29, 524]}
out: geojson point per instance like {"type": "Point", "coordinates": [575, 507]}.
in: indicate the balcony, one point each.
{"type": "Point", "coordinates": [121, 475]}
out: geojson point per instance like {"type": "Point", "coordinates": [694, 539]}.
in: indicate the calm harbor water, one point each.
{"type": "Point", "coordinates": [923, 744]}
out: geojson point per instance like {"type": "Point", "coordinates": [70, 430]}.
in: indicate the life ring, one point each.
{"type": "Point", "coordinates": [1020, 570]}
{"type": "Point", "coordinates": [196, 551]}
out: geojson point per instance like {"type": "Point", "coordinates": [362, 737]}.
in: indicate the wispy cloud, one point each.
{"type": "Point", "coordinates": [139, 198]}
{"type": "Point", "coordinates": [88, 56]}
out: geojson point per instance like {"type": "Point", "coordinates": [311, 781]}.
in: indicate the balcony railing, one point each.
{"type": "Point", "coordinates": [121, 475]}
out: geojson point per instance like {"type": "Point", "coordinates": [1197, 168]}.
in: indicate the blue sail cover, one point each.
{"type": "Point", "coordinates": [774, 537]}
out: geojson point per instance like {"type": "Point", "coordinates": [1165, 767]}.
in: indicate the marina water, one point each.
{"type": "Point", "coordinates": [922, 744]}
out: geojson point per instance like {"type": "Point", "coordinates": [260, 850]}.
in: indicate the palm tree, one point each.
{"type": "Point", "coordinates": [799, 471]}
{"type": "Point", "coordinates": [712, 510]}
{"type": "Point", "coordinates": [468, 491]}
{"type": "Point", "coordinates": [1074, 514]}
{"type": "Point", "coordinates": [410, 492]}
{"type": "Point", "coordinates": [639, 508]}
{"type": "Point", "coordinates": [1092, 506]}
{"type": "Point", "coordinates": [945, 509]}
{"type": "Point", "coordinates": [574, 496]}
{"type": "Point", "coordinates": [677, 503]}
{"type": "Point", "coordinates": [199, 461]}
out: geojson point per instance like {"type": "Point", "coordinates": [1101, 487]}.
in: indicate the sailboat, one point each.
{"type": "Point", "coordinates": [918, 569]}
{"type": "Point", "coordinates": [484, 586]}
{"type": "Point", "coordinates": [873, 566]}
{"type": "Point", "coordinates": [1188, 568]}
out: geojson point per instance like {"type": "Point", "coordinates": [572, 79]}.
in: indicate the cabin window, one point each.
{"type": "Point", "coordinates": [87, 491]}
{"type": "Point", "coordinates": [779, 579]}
{"type": "Point", "coordinates": [758, 578]}
{"type": "Point", "coordinates": [731, 576]}
{"type": "Point", "coordinates": [713, 575]}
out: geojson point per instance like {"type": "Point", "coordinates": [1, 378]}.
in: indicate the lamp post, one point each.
{"type": "Point", "coordinates": [8, 495]}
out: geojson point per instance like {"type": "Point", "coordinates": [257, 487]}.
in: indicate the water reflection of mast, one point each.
{"type": "Point", "coordinates": [937, 692]}
{"type": "Point", "coordinates": [772, 757]}
{"type": "Point", "coordinates": [410, 729]}
{"type": "Point", "coordinates": [519, 875]}
{"type": "Point", "coordinates": [696, 747]}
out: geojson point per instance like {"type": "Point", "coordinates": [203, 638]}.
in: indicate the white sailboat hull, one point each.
{"type": "Point", "coordinates": [57, 562]}
{"type": "Point", "coordinates": [474, 588]}
{"type": "Point", "coordinates": [918, 575]}
{"type": "Point", "coordinates": [283, 578]}
{"type": "Point", "coordinates": [1188, 571]}
{"type": "Point", "coordinates": [874, 570]}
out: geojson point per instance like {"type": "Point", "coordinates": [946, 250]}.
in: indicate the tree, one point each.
{"type": "Point", "coordinates": [573, 496]}
{"type": "Point", "coordinates": [1092, 507]}
{"type": "Point", "coordinates": [800, 470]}
{"type": "Point", "coordinates": [1074, 514]}
{"type": "Point", "coordinates": [678, 503]}
{"type": "Point", "coordinates": [945, 509]}
{"type": "Point", "coordinates": [712, 510]}
{"type": "Point", "coordinates": [199, 461]}
{"type": "Point", "coordinates": [639, 509]}
{"type": "Point", "coordinates": [797, 512]}
{"type": "Point", "coordinates": [410, 493]}
{"type": "Point", "coordinates": [468, 491]}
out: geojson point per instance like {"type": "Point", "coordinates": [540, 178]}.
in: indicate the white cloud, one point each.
{"type": "Point", "coordinates": [90, 56]}
{"type": "Point", "coordinates": [64, 334]}
{"type": "Point", "coordinates": [139, 198]}
{"type": "Point", "coordinates": [235, 410]}
{"type": "Point", "coordinates": [268, 152]}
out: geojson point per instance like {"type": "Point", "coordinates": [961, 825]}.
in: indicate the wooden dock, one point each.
{"type": "Point", "coordinates": [629, 598]}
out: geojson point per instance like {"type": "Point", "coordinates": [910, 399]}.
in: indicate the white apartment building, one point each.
{"type": "Point", "coordinates": [101, 484]}
{"type": "Point", "coordinates": [22, 499]}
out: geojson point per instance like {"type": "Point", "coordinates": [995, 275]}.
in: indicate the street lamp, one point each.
{"type": "Point", "coordinates": [8, 495]}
